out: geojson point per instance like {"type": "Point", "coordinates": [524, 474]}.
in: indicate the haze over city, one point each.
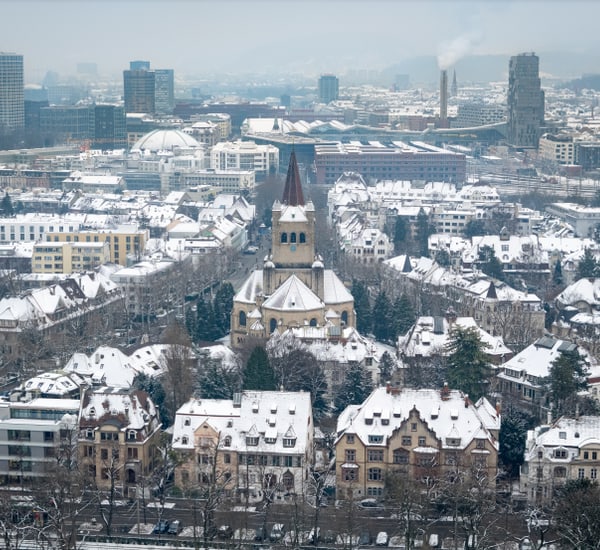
{"type": "Point", "coordinates": [288, 37]}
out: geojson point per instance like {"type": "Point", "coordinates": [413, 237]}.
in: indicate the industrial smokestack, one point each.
{"type": "Point", "coordinates": [443, 98]}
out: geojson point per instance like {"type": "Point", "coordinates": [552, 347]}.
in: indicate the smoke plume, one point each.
{"type": "Point", "coordinates": [451, 52]}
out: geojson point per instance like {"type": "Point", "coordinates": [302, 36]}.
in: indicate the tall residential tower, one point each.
{"type": "Point", "coordinates": [12, 105]}
{"type": "Point", "coordinates": [329, 88]}
{"type": "Point", "coordinates": [525, 101]}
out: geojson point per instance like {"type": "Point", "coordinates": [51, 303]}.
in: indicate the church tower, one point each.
{"type": "Point", "coordinates": [293, 290]}
{"type": "Point", "coordinates": [293, 225]}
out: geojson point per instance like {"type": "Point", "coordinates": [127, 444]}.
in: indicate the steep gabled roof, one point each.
{"type": "Point", "coordinates": [292, 192]}
{"type": "Point", "coordinates": [293, 295]}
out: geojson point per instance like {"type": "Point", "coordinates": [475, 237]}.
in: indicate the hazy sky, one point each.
{"type": "Point", "coordinates": [307, 36]}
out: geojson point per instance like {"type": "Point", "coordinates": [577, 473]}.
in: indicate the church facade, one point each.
{"type": "Point", "coordinates": [293, 288]}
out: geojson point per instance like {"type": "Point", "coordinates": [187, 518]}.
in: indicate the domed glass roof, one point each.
{"type": "Point", "coordinates": [165, 140]}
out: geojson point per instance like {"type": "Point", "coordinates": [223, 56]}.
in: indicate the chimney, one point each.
{"type": "Point", "coordinates": [466, 400]}
{"type": "Point", "coordinates": [498, 408]}
{"type": "Point", "coordinates": [388, 387]}
{"type": "Point", "coordinates": [443, 99]}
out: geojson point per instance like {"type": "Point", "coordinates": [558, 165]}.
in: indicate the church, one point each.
{"type": "Point", "coordinates": [293, 289]}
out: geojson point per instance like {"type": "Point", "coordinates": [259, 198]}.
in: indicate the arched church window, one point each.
{"type": "Point", "coordinates": [302, 238]}
{"type": "Point", "coordinates": [242, 318]}
{"type": "Point", "coordinates": [313, 322]}
{"type": "Point", "coordinates": [292, 237]}
{"type": "Point", "coordinates": [284, 237]}
{"type": "Point", "coordinates": [344, 317]}
{"type": "Point", "coordinates": [272, 325]}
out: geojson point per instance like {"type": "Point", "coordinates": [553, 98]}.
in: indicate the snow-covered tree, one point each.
{"type": "Point", "coordinates": [355, 389]}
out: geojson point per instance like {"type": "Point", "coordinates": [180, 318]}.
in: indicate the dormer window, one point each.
{"type": "Point", "coordinates": [187, 422]}
{"type": "Point", "coordinates": [375, 439]}
{"type": "Point", "coordinates": [131, 435]}
{"type": "Point", "coordinates": [453, 441]}
{"type": "Point", "coordinates": [184, 440]}
{"type": "Point", "coordinates": [289, 442]}
{"type": "Point", "coordinates": [251, 441]}
{"type": "Point", "coordinates": [271, 440]}
{"type": "Point", "coordinates": [227, 441]}
{"type": "Point", "coordinates": [92, 411]}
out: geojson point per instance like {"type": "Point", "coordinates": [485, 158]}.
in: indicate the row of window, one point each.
{"type": "Point", "coordinates": [301, 238]}
{"type": "Point", "coordinates": [271, 460]}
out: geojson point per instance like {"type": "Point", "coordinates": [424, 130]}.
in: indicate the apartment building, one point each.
{"type": "Point", "coordinates": [245, 155]}
{"type": "Point", "coordinates": [33, 433]}
{"type": "Point", "coordinates": [69, 257]}
{"type": "Point", "coordinates": [418, 433]}
{"type": "Point", "coordinates": [257, 445]}
{"type": "Point", "coordinates": [126, 242]}
{"type": "Point", "coordinates": [119, 431]}
{"type": "Point", "coordinates": [567, 450]}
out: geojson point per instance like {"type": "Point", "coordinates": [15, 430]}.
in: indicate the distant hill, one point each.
{"type": "Point", "coordinates": [488, 68]}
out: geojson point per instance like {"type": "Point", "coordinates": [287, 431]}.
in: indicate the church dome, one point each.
{"type": "Point", "coordinates": [165, 140]}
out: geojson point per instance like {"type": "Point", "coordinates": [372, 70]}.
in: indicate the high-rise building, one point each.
{"type": "Point", "coordinates": [12, 104]}
{"type": "Point", "coordinates": [148, 91]}
{"type": "Point", "coordinates": [109, 127]}
{"type": "Point", "coordinates": [329, 88]}
{"type": "Point", "coordinates": [525, 101]}
{"type": "Point", "coordinates": [164, 91]}
{"type": "Point", "coordinates": [138, 88]}
{"type": "Point", "coordinates": [139, 65]}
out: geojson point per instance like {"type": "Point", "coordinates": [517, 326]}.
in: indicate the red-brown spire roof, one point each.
{"type": "Point", "coordinates": [292, 192]}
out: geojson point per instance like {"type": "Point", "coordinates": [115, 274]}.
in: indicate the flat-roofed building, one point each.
{"type": "Point", "coordinates": [69, 257]}
{"type": "Point", "coordinates": [395, 160]}
{"type": "Point", "coordinates": [126, 242]}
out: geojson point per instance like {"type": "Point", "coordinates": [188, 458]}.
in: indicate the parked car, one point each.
{"type": "Point", "coordinates": [260, 534]}
{"type": "Point", "coordinates": [161, 527]}
{"type": "Point", "coordinates": [277, 532]}
{"type": "Point", "coordinates": [225, 532]}
{"type": "Point", "coordinates": [174, 527]}
{"type": "Point", "coordinates": [364, 538]}
{"type": "Point", "coordinates": [382, 539]}
{"type": "Point", "coordinates": [370, 504]}
{"type": "Point", "coordinates": [329, 537]}
{"type": "Point", "coordinates": [314, 536]}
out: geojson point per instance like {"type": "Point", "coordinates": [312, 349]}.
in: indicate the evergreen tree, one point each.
{"type": "Point", "coordinates": [258, 374]}
{"type": "Point", "coordinates": [387, 365]}
{"type": "Point", "coordinates": [513, 435]}
{"type": "Point", "coordinates": [468, 367]}
{"type": "Point", "coordinates": [356, 387]}
{"type": "Point", "coordinates": [6, 206]}
{"type": "Point", "coordinates": [206, 323]}
{"type": "Point", "coordinates": [216, 380]}
{"type": "Point", "coordinates": [567, 376]}
{"type": "Point", "coordinates": [401, 232]}
{"type": "Point", "coordinates": [362, 307]}
{"type": "Point", "coordinates": [223, 304]}
{"type": "Point", "coordinates": [424, 230]}
{"type": "Point", "coordinates": [442, 257]}
{"type": "Point", "coordinates": [557, 276]}
{"type": "Point", "coordinates": [404, 315]}
{"type": "Point", "coordinates": [382, 321]}
{"type": "Point", "coordinates": [489, 263]}
{"type": "Point", "coordinates": [152, 387]}
{"type": "Point", "coordinates": [588, 266]}
{"type": "Point", "coordinates": [474, 228]}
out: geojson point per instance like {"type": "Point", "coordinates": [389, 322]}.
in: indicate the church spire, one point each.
{"type": "Point", "coordinates": [292, 192]}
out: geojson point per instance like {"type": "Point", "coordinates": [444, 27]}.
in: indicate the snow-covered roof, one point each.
{"type": "Point", "coordinates": [584, 290]}
{"type": "Point", "coordinates": [262, 414]}
{"type": "Point", "coordinates": [293, 295]}
{"type": "Point", "coordinates": [568, 433]}
{"type": "Point", "coordinates": [430, 335]}
{"type": "Point", "coordinates": [448, 414]}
